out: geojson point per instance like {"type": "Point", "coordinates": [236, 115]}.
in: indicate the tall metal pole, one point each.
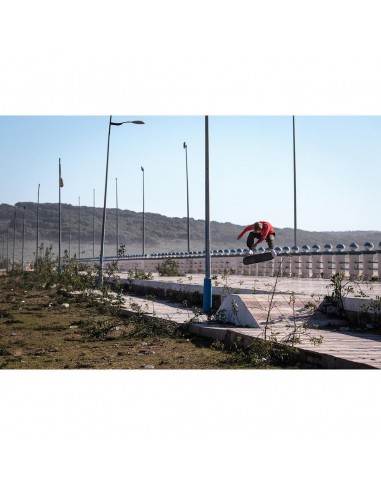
{"type": "Point", "coordinates": [144, 241]}
{"type": "Point", "coordinates": [93, 223]}
{"type": "Point", "coordinates": [38, 222]}
{"type": "Point", "coordinates": [7, 249]}
{"type": "Point", "coordinates": [295, 225]}
{"type": "Point", "coordinates": [117, 218]}
{"type": "Point", "coordinates": [3, 255]}
{"type": "Point", "coordinates": [186, 165]}
{"type": "Point", "coordinates": [207, 299]}
{"type": "Point", "coordinates": [23, 241]}
{"type": "Point", "coordinates": [69, 233]}
{"type": "Point", "coordinates": [104, 210]}
{"type": "Point", "coordinates": [14, 239]}
{"type": "Point", "coordinates": [101, 256]}
{"type": "Point", "coordinates": [60, 185]}
{"type": "Point", "coordinates": [79, 227]}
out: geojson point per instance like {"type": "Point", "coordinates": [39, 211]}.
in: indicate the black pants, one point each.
{"type": "Point", "coordinates": [256, 235]}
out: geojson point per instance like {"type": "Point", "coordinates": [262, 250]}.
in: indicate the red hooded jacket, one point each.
{"type": "Point", "coordinates": [266, 230]}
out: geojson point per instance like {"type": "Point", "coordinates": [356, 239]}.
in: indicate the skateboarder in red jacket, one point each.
{"type": "Point", "coordinates": [262, 231]}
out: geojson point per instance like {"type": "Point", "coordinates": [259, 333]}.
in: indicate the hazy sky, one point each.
{"type": "Point", "coordinates": [338, 166]}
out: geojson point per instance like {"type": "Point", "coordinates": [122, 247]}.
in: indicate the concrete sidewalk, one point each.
{"type": "Point", "coordinates": [340, 347]}
{"type": "Point", "coordinates": [245, 284]}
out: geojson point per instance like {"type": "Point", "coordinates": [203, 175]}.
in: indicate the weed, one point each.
{"type": "Point", "coordinates": [168, 268]}
{"type": "Point", "coordinates": [139, 275]}
{"type": "Point", "coordinates": [369, 314]}
{"type": "Point", "coordinates": [341, 288]}
{"type": "Point", "coordinates": [97, 329]}
{"type": "Point", "coordinates": [279, 273]}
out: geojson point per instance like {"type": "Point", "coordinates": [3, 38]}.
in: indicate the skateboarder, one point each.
{"type": "Point", "coordinates": [261, 231]}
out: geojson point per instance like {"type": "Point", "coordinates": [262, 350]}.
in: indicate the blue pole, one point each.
{"type": "Point", "coordinates": [207, 299]}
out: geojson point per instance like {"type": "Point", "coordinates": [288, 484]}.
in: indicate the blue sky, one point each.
{"type": "Point", "coordinates": [338, 167]}
{"type": "Point", "coordinates": [250, 74]}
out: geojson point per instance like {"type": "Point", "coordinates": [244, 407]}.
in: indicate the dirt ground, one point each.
{"type": "Point", "coordinates": [40, 329]}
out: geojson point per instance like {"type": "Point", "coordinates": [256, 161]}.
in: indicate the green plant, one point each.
{"type": "Point", "coordinates": [144, 325]}
{"type": "Point", "coordinates": [75, 276]}
{"type": "Point", "coordinates": [340, 288]}
{"type": "Point", "coordinates": [257, 354]}
{"type": "Point", "coordinates": [139, 275]}
{"type": "Point", "coordinates": [370, 314]}
{"type": "Point", "coordinates": [168, 268]}
{"type": "Point", "coordinates": [45, 272]}
{"type": "Point", "coordinates": [226, 289]}
{"type": "Point", "coordinates": [296, 331]}
{"type": "Point", "coordinates": [97, 329]}
{"type": "Point", "coordinates": [375, 310]}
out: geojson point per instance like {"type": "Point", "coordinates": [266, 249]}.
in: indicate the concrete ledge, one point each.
{"type": "Point", "coordinates": [323, 361]}
{"type": "Point", "coordinates": [361, 304]}
{"type": "Point", "coordinates": [350, 356]}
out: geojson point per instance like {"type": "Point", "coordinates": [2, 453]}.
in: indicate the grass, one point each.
{"type": "Point", "coordinates": [41, 329]}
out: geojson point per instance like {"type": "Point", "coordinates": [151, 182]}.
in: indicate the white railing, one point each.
{"type": "Point", "coordinates": [313, 262]}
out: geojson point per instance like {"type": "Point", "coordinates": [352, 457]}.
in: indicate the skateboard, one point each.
{"type": "Point", "coordinates": [258, 258]}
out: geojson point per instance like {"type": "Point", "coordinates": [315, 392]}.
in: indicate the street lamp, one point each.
{"type": "Point", "coordinates": [186, 165]}
{"type": "Point", "coordinates": [144, 242]}
{"type": "Point", "coordinates": [293, 132]}
{"type": "Point", "coordinates": [207, 299]}
{"type": "Point", "coordinates": [111, 123]}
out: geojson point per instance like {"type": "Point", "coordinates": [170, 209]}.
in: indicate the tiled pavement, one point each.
{"type": "Point", "coordinates": [340, 348]}
{"type": "Point", "coordinates": [338, 342]}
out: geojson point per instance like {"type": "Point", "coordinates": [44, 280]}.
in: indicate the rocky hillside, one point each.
{"type": "Point", "coordinates": [161, 233]}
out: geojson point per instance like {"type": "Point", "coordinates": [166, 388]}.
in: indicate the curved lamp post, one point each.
{"type": "Point", "coordinates": [111, 123]}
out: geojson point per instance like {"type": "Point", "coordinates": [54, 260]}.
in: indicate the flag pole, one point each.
{"type": "Point", "coordinates": [60, 185]}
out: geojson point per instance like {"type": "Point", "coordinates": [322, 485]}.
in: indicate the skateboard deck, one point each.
{"type": "Point", "coordinates": [258, 258]}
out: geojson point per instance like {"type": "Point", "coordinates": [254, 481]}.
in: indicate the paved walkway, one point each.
{"type": "Point", "coordinates": [245, 284]}
{"type": "Point", "coordinates": [340, 347]}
